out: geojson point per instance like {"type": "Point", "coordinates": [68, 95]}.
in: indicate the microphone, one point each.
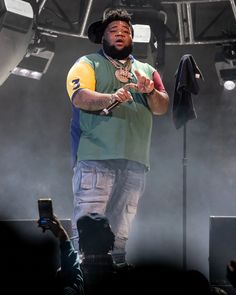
{"type": "Point", "coordinates": [107, 110]}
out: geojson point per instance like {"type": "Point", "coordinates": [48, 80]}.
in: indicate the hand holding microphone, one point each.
{"type": "Point", "coordinates": [107, 110]}
{"type": "Point", "coordinates": [144, 85]}
{"type": "Point", "coordinates": [121, 95]}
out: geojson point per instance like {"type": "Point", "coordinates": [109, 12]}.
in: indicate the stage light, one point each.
{"type": "Point", "coordinates": [225, 64]}
{"type": "Point", "coordinates": [16, 32]}
{"type": "Point", "coordinates": [142, 33]}
{"type": "Point", "coordinates": [141, 43]}
{"type": "Point", "coordinates": [229, 85]}
{"type": "Point", "coordinates": [26, 73]}
{"type": "Point", "coordinates": [37, 60]}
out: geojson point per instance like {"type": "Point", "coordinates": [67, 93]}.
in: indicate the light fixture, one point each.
{"type": "Point", "coordinates": [225, 64]}
{"type": "Point", "coordinates": [229, 85]}
{"type": "Point", "coordinates": [141, 43]}
{"type": "Point", "coordinates": [142, 33]}
{"type": "Point", "coordinates": [16, 32]}
{"type": "Point", "coordinates": [37, 60]}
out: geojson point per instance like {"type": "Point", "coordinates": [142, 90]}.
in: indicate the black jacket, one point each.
{"type": "Point", "coordinates": [186, 85]}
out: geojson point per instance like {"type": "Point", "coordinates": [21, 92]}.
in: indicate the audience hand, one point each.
{"type": "Point", "coordinates": [55, 226]}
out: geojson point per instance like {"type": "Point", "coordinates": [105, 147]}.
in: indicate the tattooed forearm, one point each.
{"type": "Point", "coordinates": [92, 101]}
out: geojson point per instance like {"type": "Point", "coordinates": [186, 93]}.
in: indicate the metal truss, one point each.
{"type": "Point", "coordinates": [181, 21]}
{"type": "Point", "coordinates": [186, 33]}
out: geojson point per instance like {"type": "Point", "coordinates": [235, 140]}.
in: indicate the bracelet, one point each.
{"type": "Point", "coordinates": [151, 92]}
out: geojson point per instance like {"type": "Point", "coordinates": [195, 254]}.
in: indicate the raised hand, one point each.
{"type": "Point", "coordinates": [143, 85]}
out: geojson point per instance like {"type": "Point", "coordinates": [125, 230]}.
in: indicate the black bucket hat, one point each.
{"type": "Point", "coordinates": [96, 29]}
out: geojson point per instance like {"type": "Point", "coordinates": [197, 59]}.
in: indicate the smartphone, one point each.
{"type": "Point", "coordinates": [45, 211]}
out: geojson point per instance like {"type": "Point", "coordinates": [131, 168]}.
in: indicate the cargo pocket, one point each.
{"type": "Point", "coordinates": [104, 179]}
{"type": "Point", "coordinates": [87, 179]}
{"type": "Point", "coordinates": [82, 180]}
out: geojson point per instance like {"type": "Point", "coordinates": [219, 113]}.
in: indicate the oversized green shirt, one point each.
{"type": "Point", "coordinates": [123, 134]}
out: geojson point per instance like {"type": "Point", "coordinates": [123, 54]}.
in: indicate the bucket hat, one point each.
{"type": "Point", "coordinates": [96, 29]}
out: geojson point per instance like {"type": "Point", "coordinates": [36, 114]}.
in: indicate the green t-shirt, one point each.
{"type": "Point", "coordinates": [126, 132]}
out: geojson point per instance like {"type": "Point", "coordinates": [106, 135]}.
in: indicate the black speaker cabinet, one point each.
{"type": "Point", "coordinates": [222, 247]}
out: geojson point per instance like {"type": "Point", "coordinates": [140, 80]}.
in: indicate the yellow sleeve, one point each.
{"type": "Point", "coordinates": [81, 75]}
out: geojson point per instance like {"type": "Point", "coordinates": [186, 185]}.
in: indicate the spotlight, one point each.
{"type": "Point", "coordinates": [16, 22]}
{"type": "Point", "coordinates": [141, 45]}
{"type": "Point", "coordinates": [142, 33]}
{"type": "Point", "coordinates": [229, 85]}
{"type": "Point", "coordinates": [26, 73]}
{"type": "Point", "coordinates": [37, 60]}
{"type": "Point", "coordinates": [225, 64]}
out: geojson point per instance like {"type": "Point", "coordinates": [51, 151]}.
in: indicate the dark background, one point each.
{"type": "Point", "coordinates": [35, 155]}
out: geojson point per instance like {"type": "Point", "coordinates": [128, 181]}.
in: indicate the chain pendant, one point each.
{"type": "Point", "coordinates": [122, 75]}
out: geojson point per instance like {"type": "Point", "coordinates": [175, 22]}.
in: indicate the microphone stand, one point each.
{"type": "Point", "coordinates": [184, 197]}
{"type": "Point", "coordinates": [183, 105]}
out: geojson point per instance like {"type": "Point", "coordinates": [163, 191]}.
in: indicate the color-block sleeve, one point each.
{"type": "Point", "coordinates": [158, 82]}
{"type": "Point", "coordinates": [81, 75]}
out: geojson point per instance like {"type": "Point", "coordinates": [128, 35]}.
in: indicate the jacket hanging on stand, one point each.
{"type": "Point", "coordinates": [183, 110]}
{"type": "Point", "coordinates": [186, 85]}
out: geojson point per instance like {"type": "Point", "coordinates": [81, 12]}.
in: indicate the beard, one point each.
{"type": "Point", "coordinates": [117, 53]}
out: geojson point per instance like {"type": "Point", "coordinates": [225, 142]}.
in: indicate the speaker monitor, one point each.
{"type": "Point", "coordinates": [222, 247]}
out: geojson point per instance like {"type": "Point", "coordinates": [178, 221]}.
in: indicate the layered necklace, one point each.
{"type": "Point", "coordinates": [123, 70]}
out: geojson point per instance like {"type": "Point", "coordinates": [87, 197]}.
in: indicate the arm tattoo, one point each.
{"type": "Point", "coordinates": [95, 104]}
